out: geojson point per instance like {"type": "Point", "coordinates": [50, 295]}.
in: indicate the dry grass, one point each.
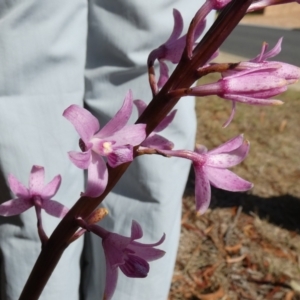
{"type": "Point", "coordinates": [247, 245]}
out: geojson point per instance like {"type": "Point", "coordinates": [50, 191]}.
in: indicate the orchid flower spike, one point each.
{"type": "Point", "coordinates": [211, 169]}
{"type": "Point", "coordinates": [114, 141]}
{"type": "Point", "coordinates": [36, 195]}
{"type": "Point", "coordinates": [125, 253]}
{"type": "Point", "coordinates": [173, 48]}
{"type": "Point", "coordinates": [156, 141]}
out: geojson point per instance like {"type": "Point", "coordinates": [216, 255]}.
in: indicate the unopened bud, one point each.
{"type": "Point", "coordinates": [97, 215]}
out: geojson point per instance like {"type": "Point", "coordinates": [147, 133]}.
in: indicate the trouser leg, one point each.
{"type": "Point", "coordinates": [42, 57]}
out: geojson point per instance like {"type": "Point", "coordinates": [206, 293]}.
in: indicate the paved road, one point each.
{"type": "Point", "coordinates": [246, 41]}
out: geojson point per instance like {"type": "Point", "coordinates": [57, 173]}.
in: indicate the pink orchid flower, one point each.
{"type": "Point", "coordinates": [173, 48]}
{"type": "Point", "coordinates": [211, 169]}
{"type": "Point", "coordinates": [36, 195]}
{"type": "Point", "coordinates": [126, 254]}
{"type": "Point", "coordinates": [115, 141]}
{"type": "Point", "coordinates": [262, 72]}
{"type": "Point", "coordinates": [156, 141]}
{"type": "Point", "coordinates": [254, 86]}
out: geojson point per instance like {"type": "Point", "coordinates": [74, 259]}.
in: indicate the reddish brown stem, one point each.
{"type": "Point", "coordinates": [183, 76]}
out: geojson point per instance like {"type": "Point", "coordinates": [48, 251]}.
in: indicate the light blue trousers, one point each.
{"type": "Point", "coordinates": [56, 53]}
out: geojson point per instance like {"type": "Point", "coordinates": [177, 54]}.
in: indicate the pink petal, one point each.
{"type": "Point", "coordinates": [81, 160]}
{"type": "Point", "coordinates": [120, 155]}
{"type": "Point", "coordinates": [227, 180]}
{"type": "Point", "coordinates": [136, 230]}
{"type": "Point", "coordinates": [274, 51]}
{"type": "Point", "coordinates": [163, 74]}
{"type": "Point", "coordinates": [84, 122]}
{"type": "Point", "coordinates": [147, 253]}
{"type": "Point", "coordinates": [265, 55]}
{"type": "Point", "coordinates": [135, 267]}
{"type": "Point", "coordinates": [202, 190]}
{"type": "Point", "coordinates": [97, 176]}
{"type": "Point", "coordinates": [55, 208]}
{"type": "Point", "coordinates": [114, 245]}
{"type": "Point", "coordinates": [110, 281]}
{"type": "Point", "coordinates": [166, 121]}
{"type": "Point", "coordinates": [14, 207]}
{"type": "Point", "coordinates": [36, 180]}
{"type": "Point", "coordinates": [227, 160]}
{"type": "Point", "coordinates": [197, 27]}
{"type": "Point", "coordinates": [177, 28]}
{"type": "Point", "coordinates": [288, 72]}
{"type": "Point", "coordinates": [140, 105]}
{"type": "Point", "coordinates": [155, 141]}
{"type": "Point", "coordinates": [251, 101]}
{"type": "Point", "coordinates": [129, 135]}
{"type": "Point", "coordinates": [174, 50]}
{"type": "Point", "coordinates": [17, 187]}
{"type": "Point", "coordinates": [135, 245]}
{"type": "Point", "coordinates": [250, 83]}
{"type": "Point", "coordinates": [199, 30]}
{"type": "Point", "coordinates": [120, 119]}
{"type": "Point", "coordinates": [246, 71]}
{"type": "Point", "coordinates": [233, 109]}
{"type": "Point", "coordinates": [51, 188]}
{"type": "Point", "coordinates": [269, 93]}
{"type": "Point", "coordinates": [229, 146]}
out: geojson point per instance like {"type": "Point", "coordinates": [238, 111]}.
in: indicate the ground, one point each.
{"type": "Point", "coordinates": [247, 245]}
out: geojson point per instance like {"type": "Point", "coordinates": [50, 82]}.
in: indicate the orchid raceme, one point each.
{"type": "Point", "coordinates": [211, 168]}
{"type": "Point", "coordinates": [115, 141]}
{"type": "Point", "coordinates": [173, 48]}
{"type": "Point", "coordinates": [37, 195]}
{"type": "Point", "coordinates": [156, 141]}
{"type": "Point", "coordinates": [125, 253]}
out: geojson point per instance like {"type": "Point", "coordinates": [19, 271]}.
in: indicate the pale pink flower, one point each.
{"type": "Point", "coordinates": [37, 195]}
{"type": "Point", "coordinates": [124, 253]}
{"type": "Point", "coordinates": [114, 141]}
{"type": "Point", "coordinates": [173, 48]}
{"type": "Point", "coordinates": [211, 169]}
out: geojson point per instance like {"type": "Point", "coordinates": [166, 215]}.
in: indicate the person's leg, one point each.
{"type": "Point", "coordinates": [42, 57]}
{"type": "Point", "coordinates": [121, 34]}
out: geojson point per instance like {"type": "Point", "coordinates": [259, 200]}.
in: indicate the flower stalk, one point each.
{"type": "Point", "coordinates": [184, 75]}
